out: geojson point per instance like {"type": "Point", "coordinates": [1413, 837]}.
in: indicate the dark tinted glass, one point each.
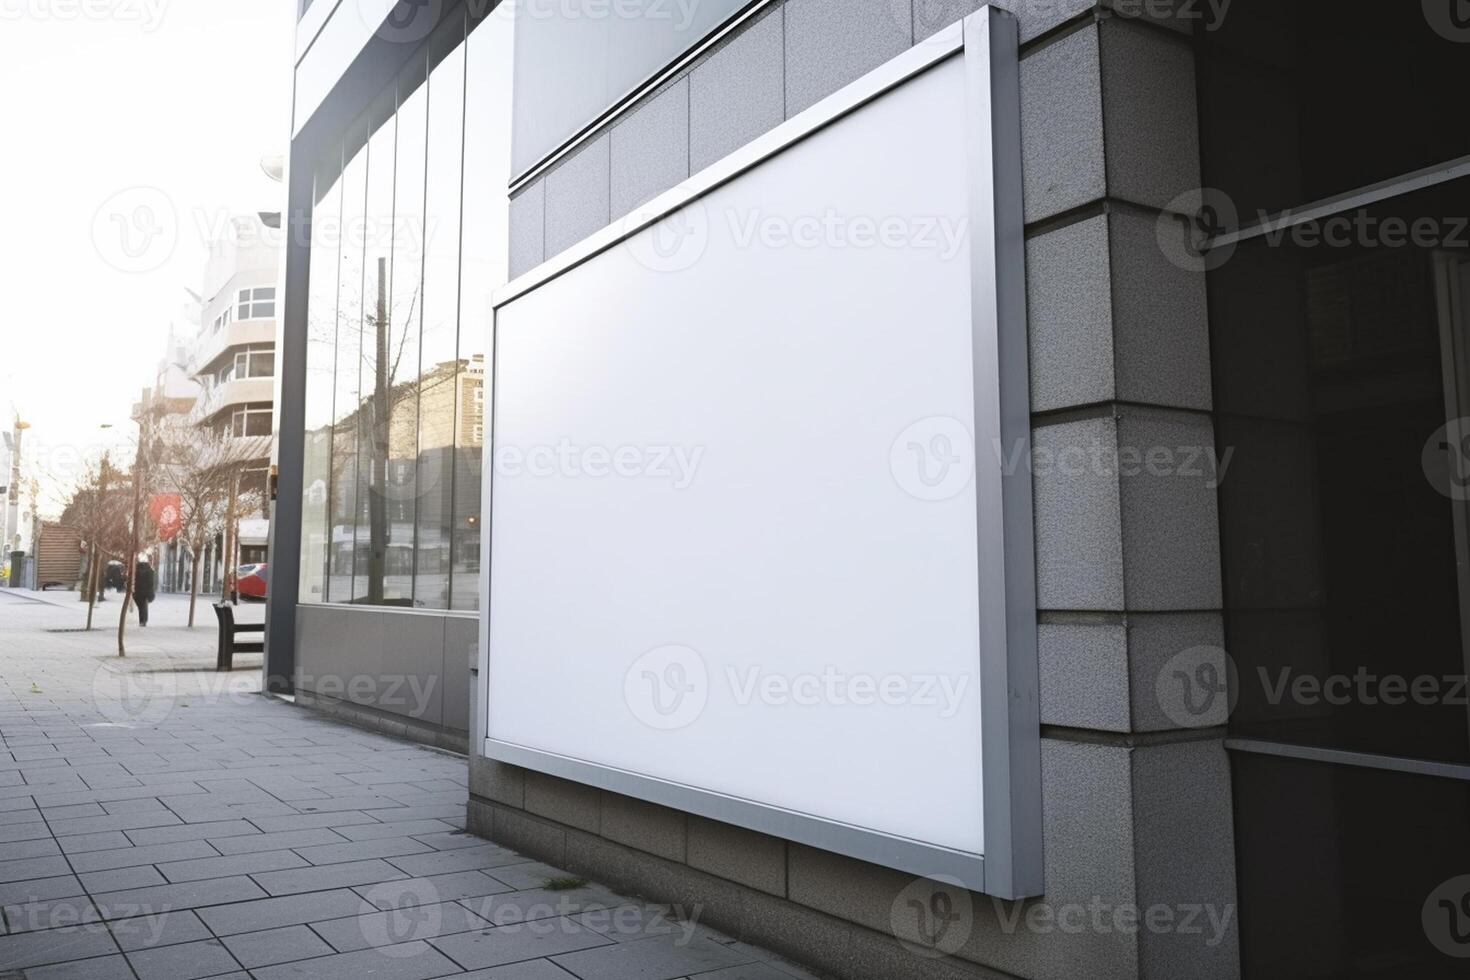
{"type": "Point", "coordinates": [1302, 100]}
{"type": "Point", "coordinates": [1344, 872]}
{"type": "Point", "coordinates": [1338, 535]}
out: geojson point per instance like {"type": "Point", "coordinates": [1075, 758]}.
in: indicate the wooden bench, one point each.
{"type": "Point", "coordinates": [229, 631]}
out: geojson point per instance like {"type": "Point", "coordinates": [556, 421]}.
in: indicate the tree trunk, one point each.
{"type": "Point", "coordinates": [227, 550]}
{"type": "Point", "coordinates": [194, 580]}
{"type": "Point", "coordinates": [91, 584]}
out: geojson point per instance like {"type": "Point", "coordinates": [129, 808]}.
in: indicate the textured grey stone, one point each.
{"type": "Point", "coordinates": [738, 854]}
{"type": "Point", "coordinates": [236, 864]}
{"type": "Point", "coordinates": [273, 913]}
{"type": "Point", "coordinates": [29, 949]}
{"type": "Point", "coordinates": [650, 148]}
{"type": "Point", "coordinates": [1154, 639]}
{"type": "Point", "coordinates": [831, 44]}
{"type": "Point", "coordinates": [1150, 113]}
{"type": "Point", "coordinates": [497, 781]}
{"type": "Point", "coordinates": [738, 92]}
{"type": "Point", "coordinates": [186, 895]}
{"type": "Point", "coordinates": [528, 228]}
{"type": "Point", "coordinates": [1062, 125]}
{"type": "Point", "coordinates": [1161, 322]}
{"type": "Point", "coordinates": [383, 847]}
{"type": "Point", "coordinates": [1070, 312]}
{"type": "Point", "coordinates": [121, 878]}
{"type": "Point", "coordinates": [578, 201]}
{"type": "Point", "coordinates": [100, 968]}
{"type": "Point", "coordinates": [519, 941]}
{"type": "Point", "coordinates": [932, 16]}
{"type": "Point", "coordinates": [276, 946]}
{"type": "Point", "coordinates": [1170, 515]}
{"type": "Point", "coordinates": [1186, 856]}
{"type": "Point", "coordinates": [186, 961]}
{"type": "Point", "coordinates": [407, 961]}
{"type": "Point", "coordinates": [1078, 516]}
{"type": "Point", "coordinates": [280, 840]}
{"type": "Point", "coordinates": [390, 926]}
{"type": "Point", "coordinates": [167, 928]}
{"type": "Point", "coordinates": [646, 826]}
{"type": "Point", "coordinates": [329, 876]}
{"type": "Point", "coordinates": [1084, 673]}
{"type": "Point", "coordinates": [573, 804]}
{"type": "Point", "coordinates": [464, 859]}
{"type": "Point", "coordinates": [655, 958]}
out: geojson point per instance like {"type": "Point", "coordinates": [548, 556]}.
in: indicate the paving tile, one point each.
{"type": "Point", "coordinates": [73, 811]}
{"type": "Point", "coordinates": [526, 874]}
{"type": "Point", "coordinates": [121, 821]}
{"type": "Point", "coordinates": [236, 864]}
{"type": "Point", "coordinates": [284, 840]}
{"type": "Point", "coordinates": [53, 913]}
{"type": "Point", "coordinates": [397, 926]}
{"type": "Point", "coordinates": [272, 913]}
{"type": "Point", "coordinates": [187, 961]}
{"type": "Point", "coordinates": [187, 895]}
{"type": "Point", "coordinates": [410, 961]}
{"type": "Point", "coordinates": [466, 859]}
{"type": "Point", "coordinates": [335, 804]}
{"type": "Point", "coordinates": [398, 828]}
{"type": "Point", "coordinates": [42, 867]}
{"type": "Point", "coordinates": [30, 830]}
{"type": "Point", "coordinates": [748, 971]}
{"type": "Point", "coordinates": [328, 876]}
{"type": "Point", "coordinates": [658, 958]}
{"type": "Point", "coordinates": [307, 821]}
{"type": "Point", "coordinates": [543, 903]}
{"type": "Point", "coordinates": [449, 840]}
{"type": "Point", "coordinates": [529, 970]}
{"type": "Point", "coordinates": [158, 929]}
{"type": "Point", "coordinates": [29, 949]}
{"type": "Point", "coordinates": [36, 889]}
{"type": "Point", "coordinates": [192, 831]}
{"type": "Point", "coordinates": [363, 850]}
{"type": "Point", "coordinates": [461, 885]}
{"type": "Point", "coordinates": [256, 949]}
{"type": "Point", "coordinates": [127, 857]}
{"type": "Point", "coordinates": [148, 804]}
{"type": "Point", "coordinates": [104, 841]}
{"type": "Point", "coordinates": [100, 968]}
{"type": "Point", "coordinates": [42, 847]}
{"type": "Point", "coordinates": [119, 879]}
{"type": "Point", "coordinates": [521, 941]}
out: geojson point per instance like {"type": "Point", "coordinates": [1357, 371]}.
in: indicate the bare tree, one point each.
{"type": "Point", "coordinates": [202, 465]}
{"type": "Point", "coordinates": [99, 509]}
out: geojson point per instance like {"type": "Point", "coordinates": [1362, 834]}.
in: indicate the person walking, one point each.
{"type": "Point", "coordinates": [145, 588]}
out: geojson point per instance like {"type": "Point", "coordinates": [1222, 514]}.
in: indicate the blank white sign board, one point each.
{"type": "Point", "coordinates": [734, 551]}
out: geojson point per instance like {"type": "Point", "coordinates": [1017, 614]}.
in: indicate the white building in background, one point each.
{"type": "Point", "coordinates": [223, 364]}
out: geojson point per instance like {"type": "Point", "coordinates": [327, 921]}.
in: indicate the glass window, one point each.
{"type": "Point", "coordinates": [438, 364]}
{"type": "Point", "coordinates": [1291, 117]}
{"type": "Point", "coordinates": [489, 69]}
{"type": "Point", "coordinates": [347, 423]}
{"type": "Point", "coordinates": [321, 357]}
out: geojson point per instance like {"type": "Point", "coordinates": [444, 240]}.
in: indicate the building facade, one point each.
{"type": "Point", "coordinates": [1245, 277]}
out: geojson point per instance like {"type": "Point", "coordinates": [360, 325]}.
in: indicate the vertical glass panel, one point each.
{"type": "Point", "coordinates": [321, 360]}
{"type": "Point", "coordinates": [1342, 610]}
{"type": "Point", "coordinates": [405, 326]}
{"type": "Point", "coordinates": [346, 433]}
{"type": "Point", "coordinates": [438, 366]}
{"type": "Point", "coordinates": [488, 74]}
{"type": "Point", "coordinates": [381, 357]}
{"type": "Point", "coordinates": [1342, 870]}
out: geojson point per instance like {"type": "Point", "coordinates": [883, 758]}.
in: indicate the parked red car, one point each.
{"type": "Point", "coordinates": [253, 582]}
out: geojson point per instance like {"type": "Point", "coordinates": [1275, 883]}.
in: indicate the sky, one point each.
{"type": "Point", "coordinates": [125, 122]}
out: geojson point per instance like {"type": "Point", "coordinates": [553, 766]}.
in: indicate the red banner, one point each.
{"type": "Point", "coordinates": [164, 511]}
